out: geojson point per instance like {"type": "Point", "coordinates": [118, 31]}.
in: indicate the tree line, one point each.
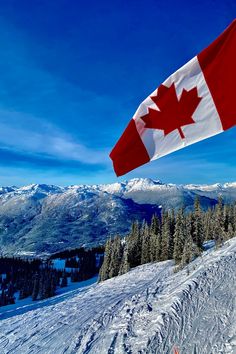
{"type": "Point", "coordinates": [27, 277]}
{"type": "Point", "coordinates": [39, 280]}
{"type": "Point", "coordinates": [76, 252]}
{"type": "Point", "coordinates": [175, 235]}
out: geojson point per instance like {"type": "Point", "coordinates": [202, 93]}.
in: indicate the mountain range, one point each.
{"type": "Point", "coordinates": [42, 218]}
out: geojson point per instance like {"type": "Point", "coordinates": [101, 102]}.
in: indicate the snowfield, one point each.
{"type": "Point", "coordinates": [151, 309]}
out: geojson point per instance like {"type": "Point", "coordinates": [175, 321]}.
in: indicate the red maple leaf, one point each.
{"type": "Point", "coordinates": [172, 113]}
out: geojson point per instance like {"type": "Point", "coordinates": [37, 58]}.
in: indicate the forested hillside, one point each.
{"type": "Point", "coordinates": [176, 235]}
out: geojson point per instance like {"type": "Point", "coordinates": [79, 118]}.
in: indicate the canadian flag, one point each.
{"type": "Point", "coordinates": [194, 103]}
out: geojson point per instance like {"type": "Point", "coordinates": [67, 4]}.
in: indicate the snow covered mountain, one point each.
{"type": "Point", "coordinates": [145, 190]}
{"type": "Point", "coordinates": [46, 218]}
{"type": "Point", "coordinates": [151, 309]}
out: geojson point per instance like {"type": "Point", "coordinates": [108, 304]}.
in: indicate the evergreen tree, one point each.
{"type": "Point", "coordinates": [220, 211]}
{"type": "Point", "coordinates": [158, 247]}
{"type": "Point", "coordinates": [104, 270]}
{"type": "Point", "coordinates": [87, 265]}
{"type": "Point", "coordinates": [232, 216]}
{"type": "Point", "coordinates": [145, 250]}
{"type": "Point", "coordinates": [134, 245]}
{"type": "Point", "coordinates": [167, 237]}
{"type": "Point", "coordinates": [64, 282]}
{"type": "Point", "coordinates": [218, 227]}
{"type": "Point", "coordinates": [154, 239]}
{"type": "Point", "coordinates": [35, 287]}
{"type": "Point", "coordinates": [153, 243]}
{"type": "Point", "coordinates": [218, 233]}
{"type": "Point", "coordinates": [116, 255]}
{"type": "Point", "coordinates": [188, 250]}
{"type": "Point", "coordinates": [155, 225]}
{"type": "Point", "coordinates": [171, 235]}
{"type": "Point", "coordinates": [3, 298]}
{"type": "Point", "coordinates": [226, 210]}
{"type": "Point", "coordinates": [10, 292]}
{"type": "Point", "coordinates": [25, 288]}
{"type": "Point", "coordinates": [53, 282]}
{"type": "Point", "coordinates": [74, 276]}
{"type": "Point", "coordinates": [172, 222]}
{"type": "Point", "coordinates": [124, 267]}
{"type": "Point", "coordinates": [42, 287]}
{"type": "Point", "coordinates": [198, 231]}
{"type": "Point", "coordinates": [179, 237]}
{"type": "Point", "coordinates": [47, 283]}
{"type": "Point", "coordinates": [230, 233]}
{"type": "Point", "coordinates": [208, 224]}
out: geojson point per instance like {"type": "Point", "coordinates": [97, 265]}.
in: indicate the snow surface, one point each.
{"type": "Point", "coordinates": [151, 309]}
{"type": "Point", "coordinates": [27, 304]}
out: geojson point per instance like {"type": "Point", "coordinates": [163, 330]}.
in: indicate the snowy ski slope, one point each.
{"type": "Point", "coordinates": [149, 310]}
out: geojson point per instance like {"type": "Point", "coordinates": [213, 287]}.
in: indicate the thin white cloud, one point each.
{"type": "Point", "coordinates": [26, 134]}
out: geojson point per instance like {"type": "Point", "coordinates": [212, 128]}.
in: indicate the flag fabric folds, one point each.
{"type": "Point", "coordinates": [196, 102]}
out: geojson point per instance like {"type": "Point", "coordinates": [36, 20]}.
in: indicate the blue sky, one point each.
{"type": "Point", "coordinates": [72, 74]}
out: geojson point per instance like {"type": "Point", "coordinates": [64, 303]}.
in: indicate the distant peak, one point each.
{"type": "Point", "coordinates": [147, 181]}
{"type": "Point", "coordinates": [7, 189]}
{"type": "Point", "coordinates": [35, 188]}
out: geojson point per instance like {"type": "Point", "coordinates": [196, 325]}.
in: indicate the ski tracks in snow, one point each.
{"type": "Point", "coordinates": [149, 310]}
{"type": "Point", "coordinates": [76, 324]}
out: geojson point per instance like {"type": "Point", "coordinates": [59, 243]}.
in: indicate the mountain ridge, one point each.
{"type": "Point", "coordinates": [134, 183]}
